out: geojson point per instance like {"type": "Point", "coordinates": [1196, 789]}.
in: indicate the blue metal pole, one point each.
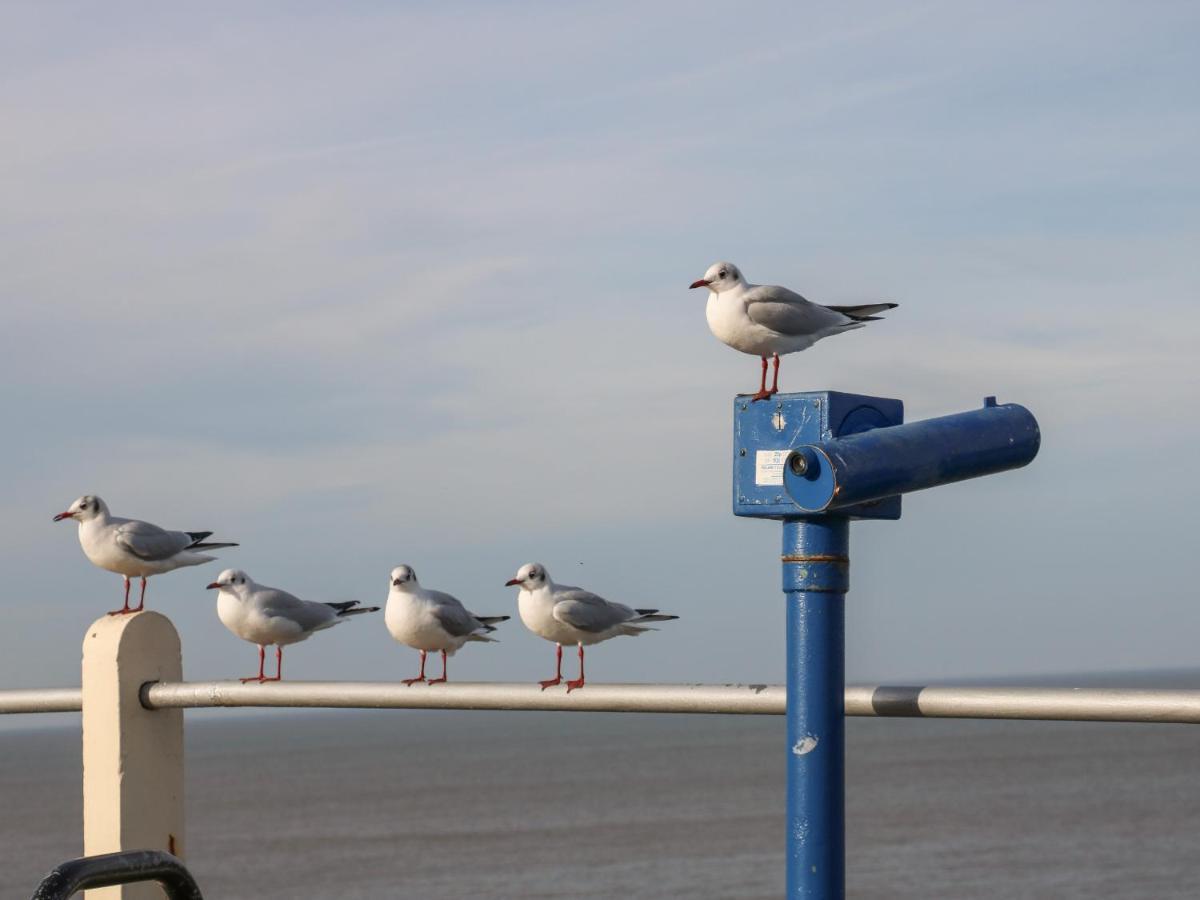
{"type": "Point", "coordinates": [816, 570]}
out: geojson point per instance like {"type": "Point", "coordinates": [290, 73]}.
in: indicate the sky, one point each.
{"type": "Point", "coordinates": [366, 284]}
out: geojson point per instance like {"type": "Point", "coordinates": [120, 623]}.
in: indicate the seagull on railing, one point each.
{"type": "Point", "coordinates": [766, 320]}
{"type": "Point", "coordinates": [431, 620]}
{"type": "Point", "coordinates": [571, 615]}
{"type": "Point", "coordinates": [133, 548]}
{"type": "Point", "coordinates": [265, 615]}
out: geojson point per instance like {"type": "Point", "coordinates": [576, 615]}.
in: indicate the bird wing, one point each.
{"type": "Point", "coordinates": [149, 542]}
{"type": "Point", "coordinates": [453, 616]}
{"type": "Point", "coordinates": [786, 312]}
{"type": "Point", "coordinates": [587, 611]}
{"type": "Point", "coordinates": [305, 614]}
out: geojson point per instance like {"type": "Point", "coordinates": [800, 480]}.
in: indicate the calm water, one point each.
{"type": "Point", "coordinates": [442, 804]}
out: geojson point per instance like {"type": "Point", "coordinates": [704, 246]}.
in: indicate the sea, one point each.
{"type": "Point", "coordinates": [448, 804]}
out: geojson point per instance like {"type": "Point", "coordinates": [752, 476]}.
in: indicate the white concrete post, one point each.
{"type": "Point", "coordinates": [132, 756]}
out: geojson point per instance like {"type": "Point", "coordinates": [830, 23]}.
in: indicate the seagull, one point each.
{"type": "Point", "coordinates": [133, 548]}
{"type": "Point", "coordinates": [571, 615]}
{"type": "Point", "coordinates": [766, 320]}
{"type": "Point", "coordinates": [265, 615]}
{"type": "Point", "coordinates": [431, 620]}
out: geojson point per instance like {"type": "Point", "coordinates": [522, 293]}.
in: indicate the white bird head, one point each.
{"type": "Point", "coordinates": [530, 577]}
{"type": "Point", "coordinates": [404, 577]}
{"type": "Point", "coordinates": [232, 580]}
{"type": "Point", "coordinates": [87, 507]}
{"type": "Point", "coordinates": [720, 277]}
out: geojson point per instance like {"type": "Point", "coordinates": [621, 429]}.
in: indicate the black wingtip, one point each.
{"type": "Point", "coordinates": [863, 312]}
{"type": "Point", "coordinates": [653, 615]}
{"type": "Point", "coordinates": [352, 608]}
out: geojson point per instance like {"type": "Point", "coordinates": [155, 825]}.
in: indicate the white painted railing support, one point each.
{"type": "Point", "coordinates": [132, 756]}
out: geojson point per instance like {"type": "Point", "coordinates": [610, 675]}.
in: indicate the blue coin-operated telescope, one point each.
{"type": "Point", "coordinates": [816, 461]}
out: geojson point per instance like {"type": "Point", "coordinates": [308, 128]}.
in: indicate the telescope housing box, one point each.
{"type": "Point", "coordinates": [765, 432]}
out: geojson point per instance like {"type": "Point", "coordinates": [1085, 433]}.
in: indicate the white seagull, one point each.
{"type": "Point", "coordinates": [571, 615]}
{"type": "Point", "coordinates": [765, 320]}
{"type": "Point", "coordinates": [265, 615]}
{"type": "Point", "coordinates": [133, 548]}
{"type": "Point", "coordinates": [431, 620]}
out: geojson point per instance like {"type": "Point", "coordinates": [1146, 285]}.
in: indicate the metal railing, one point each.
{"type": "Point", "coordinates": [1065, 704]}
{"type": "Point", "coordinates": [41, 700]}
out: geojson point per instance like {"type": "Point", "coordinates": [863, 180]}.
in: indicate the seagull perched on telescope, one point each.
{"type": "Point", "coordinates": [265, 615]}
{"type": "Point", "coordinates": [431, 620]}
{"type": "Point", "coordinates": [765, 320]}
{"type": "Point", "coordinates": [133, 548]}
{"type": "Point", "coordinates": [571, 615]}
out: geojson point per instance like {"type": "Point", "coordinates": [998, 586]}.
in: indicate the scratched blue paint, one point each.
{"type": "Point", "coordinates": [787, 421]}
{"type": "Point", "coordinates": [860, 458]}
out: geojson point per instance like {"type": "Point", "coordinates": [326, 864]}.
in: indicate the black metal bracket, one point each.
{"type": "Point", "coordinates": [119, 868]}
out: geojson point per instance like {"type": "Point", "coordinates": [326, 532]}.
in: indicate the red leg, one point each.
{"type": "Point", "coordinates": [443, 678]}
{"type": "Point", "coordinates": [142, 598]}
{"type": "Point", "coordinates": [763, 393]}
{"type": "Point", "coordinates": [577, 682]}
{"type": "Point", "coordinates": [262, 657]}
{"type": "Point", "coordinates": [278, 664]}
{"type": "Point", "coordinates": [124, 609]}
{"type": "Point", "coordinates": [420, 676]}
{"type": "Point", "coordinates": [557, 679]}
{"type": "Point", "coordinates": [775, 379]}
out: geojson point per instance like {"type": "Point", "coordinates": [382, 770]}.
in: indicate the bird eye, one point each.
{"type": "Point", "coordinates": [722, 274]}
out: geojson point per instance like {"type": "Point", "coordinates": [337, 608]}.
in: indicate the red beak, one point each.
{"type": "Point", "coordinates": [695, 284]}
{"type": "Point", "coordinates": [63, 515]}
{"type": "Point", "coordinates": [512, 581]}
{"type": "Point", "coordinates": [209, 587]}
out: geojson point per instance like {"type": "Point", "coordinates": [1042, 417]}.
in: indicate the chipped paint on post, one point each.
{"type": "Point", "coordinates": [805, 745]}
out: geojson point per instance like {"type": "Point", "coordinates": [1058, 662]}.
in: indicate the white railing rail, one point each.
{"type": "Point", "coordinates": [1057, 704]}
{"type": "Point", "coordinates": [41, 700]}
{"type": "Point", "coordinates": [1063, 704]}
{"type": "Point", "coordinates": [738, 699]}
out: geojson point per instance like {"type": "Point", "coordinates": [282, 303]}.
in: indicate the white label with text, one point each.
{"type": "Point", "coordinates": [768, 466]}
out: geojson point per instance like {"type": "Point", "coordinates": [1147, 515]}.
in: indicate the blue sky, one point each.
{"type": "Point", "coordinates": [383, 283]}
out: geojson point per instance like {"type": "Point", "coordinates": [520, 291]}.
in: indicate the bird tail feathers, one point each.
{"type": "Point", "coordinates": [864, 313]}
{"type": "Point", "coordinates": [198, 542]}
{"type": "Point", "coordinates": [652, 615]}
{"type": "Point", "coordinates": [351, 608]}
{"type": "Point", "coordinates": [492, 620]}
